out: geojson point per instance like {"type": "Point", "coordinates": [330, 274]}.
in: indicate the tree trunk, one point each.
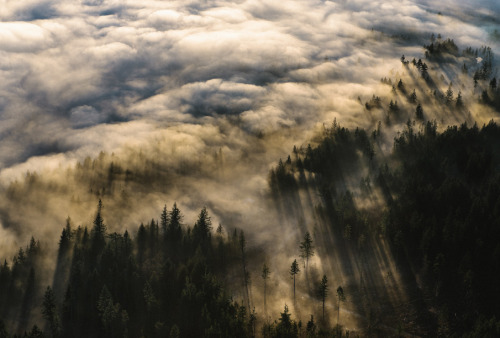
{"type": "Point", "coordinates": [338, 317]}
{"type": "Point", "coordinates": [265, 306]}
{"type": "Point", "coordinates": [323, 308]}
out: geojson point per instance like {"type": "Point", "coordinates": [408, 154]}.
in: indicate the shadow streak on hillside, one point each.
{"type": "Point", "coordinates": [381, 295]}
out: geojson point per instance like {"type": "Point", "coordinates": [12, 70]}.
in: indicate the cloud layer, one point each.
{"type": "Point", "coordinates": [76, 65]}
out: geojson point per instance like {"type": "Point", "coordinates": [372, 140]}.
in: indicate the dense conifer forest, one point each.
{"type": "Point", "coordinates": [441, 194]}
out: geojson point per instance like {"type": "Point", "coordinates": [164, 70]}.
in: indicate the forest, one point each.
{"type": "Point", "coordinates": [441, 192]}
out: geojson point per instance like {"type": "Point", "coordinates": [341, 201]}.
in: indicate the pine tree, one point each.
{"type": "Point", "coordinates": [28, 299]}
{"type": "Point", "coordinates": [401, 87]}
{"type": "Point", "coordinates": [459, 103]}
{"type": "Point", "coordinates": [286, 327]}
{"type": "Point", "coordinates": [306, 249]}
{"type": "Point", "coordinates": [202, 227]}
{"type": "Point", "coordinates": [164, 220]}
{"type": "Point", "coordinates": [50, 313]}
{"type": "Point", "coordinates": [265, 277]}
{"type": "Point", "coordinates": [323, 292]}
{"type": "Point", "coordinates": [419, 112]}
{"type": "Point", "coordinates": [65, 240]}
{"type": "Point", "coordinates": [246, 275]}
{"type": "Point", "coordinates": [35, 333]}
{"type": "Point", "coordinates": [220, 231]}
{"type": "Point", "coordinates": [141, 238]}
{"type": "Point", "coordinates": [294, 270]}
{"type": "Point", "coordinates": [341, 298]}
{"type": "Point", "coordinates": [413, 97]}
{"type": "Point", "coordinates": [98, 241]}
{"type": "Point", "coordinates": [449, 95]}
{"type": "Point", "coordinates": [493, 84]}
{"type": "Point", "coordinates": [113, 318]}
{"type": "Point", "coordinates": [174, 231]}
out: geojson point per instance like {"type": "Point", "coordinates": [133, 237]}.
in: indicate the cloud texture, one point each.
{"type": "Point", "coordinates": [73, 65]}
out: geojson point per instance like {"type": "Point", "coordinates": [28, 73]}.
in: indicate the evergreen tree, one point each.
{"type": "Point", "coordinates": [294, 270]}
{"type": "Point", "coordinates": [65, 240]}
{"type": "Point", "coordinates": [341, 298]}
{"type": "Point", "coordinates": [50, 312]}
{"type": "Point", "coordinates": [459, 103]}
{"type": "Point", "coordinates": [202, 227]}
{"type": "Point", "coordinates": [401, 87]}
{"type": "Point", "coordinates": [306, 249]}
{"type": "Point", "coordinates": [419, 112]}
{"type": "Point", "coordinates": [35, 333]}
{"type": "Point", "coordinates": [393, 107]}
{"type": "Point", "coordinates": [164, 220]}
{"type": "Point", "coordinates": [98, 233]}
{"type": "Point", "coordinates": [493, 84]}
{"type": "Point", "coordinates": [449, 95]}
{"type": "Point", "coordinates": [28, 299]}
{"type": "Point", "coordinates": [265, 277]}
{"type": "Point", "coordinates": [246, 275]}
{"type": "Point", "coordinates": [220, 231]}
{"type": "Point", "coordinates": [286, 328]}
{"type": "Point", "coordinates": [323, 292]}
{"type": "Point", "coordinates": [113, 318]}
{"type": "Point", "coordinates": [311, 325]}
{"type": "Point", "coordinates": [413, 97]}
{"type": "Point", "coordinates": [465, 70]}
{"type": "Point", "coordinates": [142, 239]}
{"type": "Point", "coordinates": [174, 231]}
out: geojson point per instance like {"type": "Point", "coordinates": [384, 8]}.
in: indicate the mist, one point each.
{"type": "Point", "coordinates": [194, 102]}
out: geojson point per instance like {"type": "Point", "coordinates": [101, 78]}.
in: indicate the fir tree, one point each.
{"type": "Point", "coordinates": [265, 277]}
{"type": "Point", "coordinates": [419, 112]}
{"type": "Point", "coordinates": [294, 270]}
{"type": "Point", "coordinates": [306, 249]}
{"type": "Point", "coordinates": [341, 298]}
{"type": "Point", "coordinates": [50, 312]}
{"type": "Point", "coordinates": [323, 292]}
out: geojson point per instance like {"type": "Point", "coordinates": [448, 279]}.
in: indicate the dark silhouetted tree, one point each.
{"type": "Point", "coordinates": [401, 87]}
{"type": "Point", "coordinates": [493, 84]}
{"type": "Point", "coordinates": [341, 298]}
{"type": "Point", "coordinates": [35, 333]}
{"type": "Point", "coordinates": [311, 328]}
{"type": "Point", "coordinates": [323, 292]}
{"type": "Point", "coordinates": [419, 112]}
{"type": "Point", "coordinates": [449, 95]}
{"type": "Point", "coordinates": [413, 97]}
{"type": "Point", "coordinates": [50, 313]}
{"type": "Point", "coordinates": [98, 233]}
{"type": "Point", "coordinates": [294, 270]}
{"type": "Point", "coordinates": [459, 103]}
{"type": "Point", "coordinates": [174, 231]}
{"type": "Point", "coordinates": [306, 249]}
{"type": "Point", "coordinates": [246, 275]}
{"type": "Point", "coordinates": [286, 327]}
{"type": "Point", "coordinates": [265, 277]}
{"type": "Point", "coordinates": [202, 227]}
{"type": "Point", "coordinates": [164, 220]}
